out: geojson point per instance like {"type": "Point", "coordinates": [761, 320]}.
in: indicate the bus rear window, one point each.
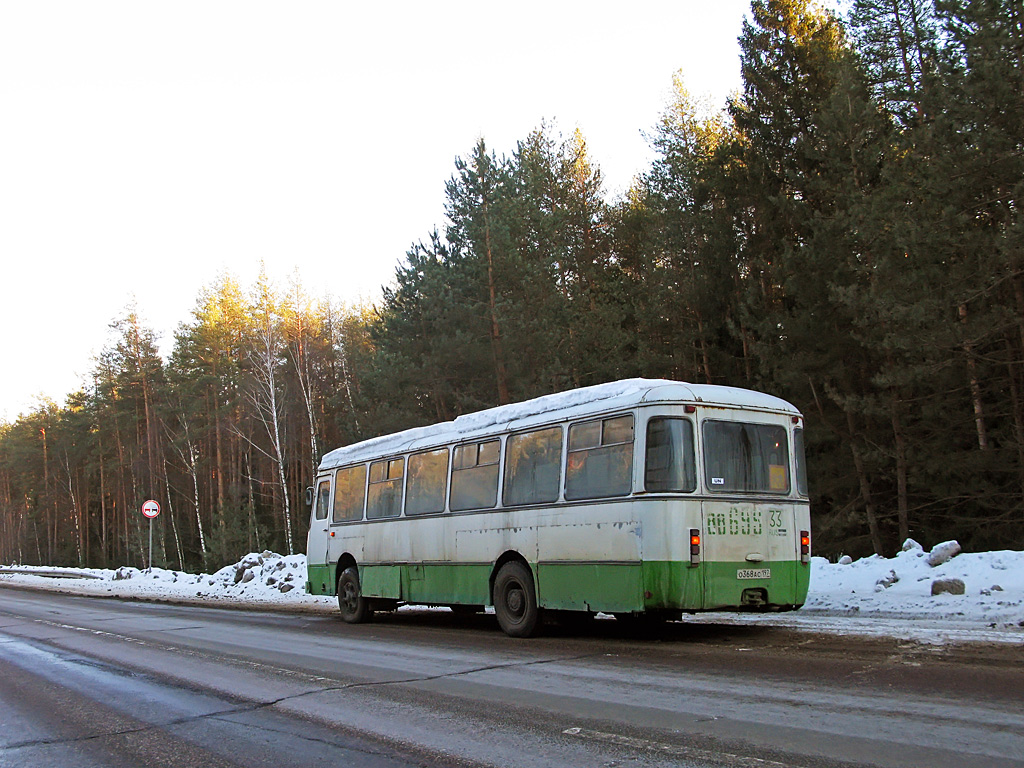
{"type": "Point", "coordinates": [746, 458]}
{"type": "Point", "coordinates": [669, 463]}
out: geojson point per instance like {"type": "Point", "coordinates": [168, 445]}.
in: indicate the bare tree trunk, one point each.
{"type": "Point", "coordinates": [189, 455]}
{"type": "Point", "coordinates": [252, 503]}
{"type": "Point", "coordinates": [343, 354]}
{"type": "Point", "coordinates": [221, 522]}
{"type": "Point", "coordinates": [705, 361]}
{"type": "Point", "coordinates": [972, 369]}
{"type": "Point", "coordinates": [497, 348]}
{"type": "Point", "coordinates": [268, 408]}
{"type": "Point", "coordinates": [900, 440]}
{"type": "Point", "coordinates": [174, 525]}
{"type": "Point", "coordinates": [74, 508]}
{"type": "Point", "coordinates": [299, 358]}
{"type": "Point", "coordinates": [865, 488]}
{"type": "Point", "coordinates": [105, 560]}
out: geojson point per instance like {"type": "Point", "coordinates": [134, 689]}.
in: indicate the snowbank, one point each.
{"type": "Point", "coordinates": [873, 596]}
{"type": "Point", "coordinates": [902, 586]}
{"type": "Point", "coordinates": [258, 578]}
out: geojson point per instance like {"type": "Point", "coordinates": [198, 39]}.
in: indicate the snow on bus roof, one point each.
{"type": "Point", "coordinates": [562, 405]}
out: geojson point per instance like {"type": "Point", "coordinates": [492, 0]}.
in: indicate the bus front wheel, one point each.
{"type": "Point", "coordinates": [355, 608]}
{"type": "Point", "coordinates": [515, 601]}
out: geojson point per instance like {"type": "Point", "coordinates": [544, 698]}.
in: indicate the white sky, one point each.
{"type": "Point", "coordinates": [146, 147]}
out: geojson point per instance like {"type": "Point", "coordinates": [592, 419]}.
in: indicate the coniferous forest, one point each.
{"type": "Point", "coordinates": [845, 233]}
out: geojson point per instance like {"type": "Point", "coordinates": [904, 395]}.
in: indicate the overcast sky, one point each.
{"type": "Point", "coordinates": [147, 147]}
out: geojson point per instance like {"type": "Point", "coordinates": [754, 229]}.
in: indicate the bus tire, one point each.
{"type": "Point", "coordinates": [515, 600]}
{"type": "Point", "coordinates": [355, 609]}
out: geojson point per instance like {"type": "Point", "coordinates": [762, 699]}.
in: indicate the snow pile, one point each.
{"type": "Point", "coordinates": [918, 584]}
{"type": "Point", "coordinates": [936, 596]}
{"type": "Point", "coordinates": [258, 578]}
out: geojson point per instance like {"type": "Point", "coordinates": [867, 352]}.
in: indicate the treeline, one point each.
{"type": "Point", "coordinates": [845, 234]}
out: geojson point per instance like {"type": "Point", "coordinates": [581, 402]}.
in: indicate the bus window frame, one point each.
{"type": "Point", "coordinates": [696, 449]}
{"type": "Point", "coordinates": [446, 490]}
{"type": "Point", "coordinates": [387, 461]}
{"type": "Point", "coordinates": [366, 481]}
{"type": "Point", "coordinates": [452, 469]}
{"type": "Point", "coordinates": [320, 482]}
{"type": "Point", "coordinates": [562, 427]}
{"type": "Point", "coordinates": [704, 468]}
{"type": "Point", "coordinates": [568, 451]}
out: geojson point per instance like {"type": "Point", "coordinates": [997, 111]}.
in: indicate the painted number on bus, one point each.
{"type": "Point", "coordinates": [736, 522]}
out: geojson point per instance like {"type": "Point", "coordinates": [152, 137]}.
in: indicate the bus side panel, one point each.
{"type": "Point", "coordinates": [444, 583]}
{"type": "Point", "coordinates": [320, 579]}
{"type": "Point", "coordinates": [381, 581]}
{"type": "Point", "coordinates": [669, 579]}
{"type": "Point", "coordinates": [486, 544]}
{"type": "Point", "coordinates": [588, 559]}
{"type": "Point", "coordinates": [672, 585]}
{"type": "Point", "coordinates": [610, 587]}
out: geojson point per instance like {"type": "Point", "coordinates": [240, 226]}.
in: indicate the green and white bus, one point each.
{"type": "Point", "coordinates": [638, 498]}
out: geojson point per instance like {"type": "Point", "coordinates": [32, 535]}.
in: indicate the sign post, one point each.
{"type": "Point", "coordinates": [151, 509]}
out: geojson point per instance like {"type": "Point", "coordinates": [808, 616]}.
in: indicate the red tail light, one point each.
{"type": "Point", "coordinates": [805, 546]}
{"type": "Point", "coordinates": [694, 546]}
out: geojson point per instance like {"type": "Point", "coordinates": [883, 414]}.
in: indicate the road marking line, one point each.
{"type": "Point", "coordinates": [673, 749]}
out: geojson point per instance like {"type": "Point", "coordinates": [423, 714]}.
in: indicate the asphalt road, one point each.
{"type": "Point", "coordinates": [93, 682]}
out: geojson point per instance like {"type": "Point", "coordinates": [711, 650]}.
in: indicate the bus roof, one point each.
{"type": "Point", "coordinates": [575, 403]}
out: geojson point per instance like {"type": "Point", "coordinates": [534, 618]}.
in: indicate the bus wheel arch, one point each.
{"type": "Point", "coordinates": [514, 595]}
{"type": "Point", "coordinates": [354, 608]}
{"type": "Point", "coordinates": [345, 561]}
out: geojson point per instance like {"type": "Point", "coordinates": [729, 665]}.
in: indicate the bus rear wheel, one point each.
{"type": "Point", "coordinates": [355, 609]}
{"type": "Point", "coordinates": [515, 601]}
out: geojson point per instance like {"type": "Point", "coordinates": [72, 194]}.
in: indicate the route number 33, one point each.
{"type": "Point", "coordinates": [743, 522]}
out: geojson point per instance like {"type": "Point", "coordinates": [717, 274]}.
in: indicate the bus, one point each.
{"type": "Point", "coordinates": [642, 498]}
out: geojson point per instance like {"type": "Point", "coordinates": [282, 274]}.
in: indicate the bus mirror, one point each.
{"type": "Point", "coordinates": [309, 496]}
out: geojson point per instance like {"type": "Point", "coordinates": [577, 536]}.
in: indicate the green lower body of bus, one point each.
{"type": "Point", "coordinates": [605, 587]}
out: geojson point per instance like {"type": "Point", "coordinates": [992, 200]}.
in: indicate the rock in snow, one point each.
{"type": "Point", "coordinates": [943, 553]}
{"type": "Point", "coordinates": [948, 587]}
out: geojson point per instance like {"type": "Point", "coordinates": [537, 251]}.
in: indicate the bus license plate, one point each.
{"type": "Point", "coordinates": [754, 573]}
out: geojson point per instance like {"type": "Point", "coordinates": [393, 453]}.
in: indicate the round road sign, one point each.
{"type": "Point", "coordinates": [151, 509]}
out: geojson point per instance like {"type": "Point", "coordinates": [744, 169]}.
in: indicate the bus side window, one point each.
{"type": "Point", "coordinates": [801, 462]}
{"type": "Point", "coordinates": [669, 459]}
{"type": "Point", "coordinates": [323, 499]}
{"type": "Point", "coordinates": [533, 462]}
{"type": "Point", "coordinates": [475, 476]}
{"type": "Point", "coordinates": [425, 487]}
{"type": "Point", "coordinates": [600, 461]}
{"type": "Point", "coordinates": [349, 493]}
{"type": "Point", "coordinates": [385, 492]}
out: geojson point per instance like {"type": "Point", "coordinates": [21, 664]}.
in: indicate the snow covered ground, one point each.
{"type": "Point", "coordinates": [873, 596]}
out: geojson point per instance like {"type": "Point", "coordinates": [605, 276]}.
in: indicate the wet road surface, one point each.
{"type": "Point", "coordinates": [94, 682]}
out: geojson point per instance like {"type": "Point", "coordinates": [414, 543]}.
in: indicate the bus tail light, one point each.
{"type": "Point", "coordinates": [805, 546]}
{"type": "Point", "coordinates": [694, 546]}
